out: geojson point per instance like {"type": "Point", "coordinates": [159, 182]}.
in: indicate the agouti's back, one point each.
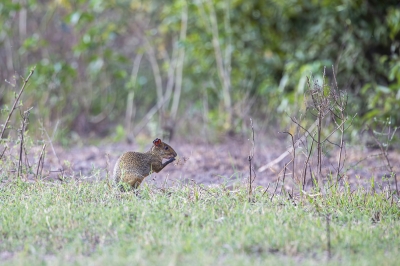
{"type": "Point", "coordinates": [132, 167]}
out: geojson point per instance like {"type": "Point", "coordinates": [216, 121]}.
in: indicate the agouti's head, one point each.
{"type": "Point", "coordinates": [163, 149]}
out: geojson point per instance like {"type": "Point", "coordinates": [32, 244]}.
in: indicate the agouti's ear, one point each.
{"type": "Point", "coordinates": [157, 142]}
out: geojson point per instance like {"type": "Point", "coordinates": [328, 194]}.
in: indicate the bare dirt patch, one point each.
{"type": "Point", "coordinates": [226, 162]}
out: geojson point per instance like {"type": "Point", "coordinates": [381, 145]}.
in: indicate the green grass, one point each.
{"type": "Point", "coordinates": [91, 224]}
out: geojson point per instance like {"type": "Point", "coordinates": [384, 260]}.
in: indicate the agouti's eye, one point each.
{"type": "Point", "coordinates": [166, 147]}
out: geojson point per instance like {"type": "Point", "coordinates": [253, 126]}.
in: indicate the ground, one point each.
{"type": "Point", "coordinates": [85, 221]}
{"type": "Point", "coordinates": [225, 162]}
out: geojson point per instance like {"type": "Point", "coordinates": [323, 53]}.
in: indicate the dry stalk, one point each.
{"type": "Point", "coordinates": [14, 106]}
{"type": "Point", "coordinates": [279, 178]}
{"type": "Point", "coordinates": [342, 105]}
{"type": "Point", "coordinates": [294, 154]}
{"type": "Point", "coordinates": [321, 104]}
{"type": "Point", "coordinates": [41, 161]}
{"type": "Point", "coordinates": [24, 123]}
{"type": "Point", "coordinates": [276, 187]}
{"type": "Point", "coordinates": [324, 101]}
{"type": "Point", "coordinates": [335, 103]}
{"type": "Point", "coordinates": [289, 151]}
{"type": "Point", "coordinates": [384, 151]}
{"type": "Point", "coordinates": [250, 158]}
{"type": "Point", "coordinates": [305, 165]}
{"type": "Point", "coordinates": [284, 175]}
{"type": "Point", "coordinates": [51, 145]}
{"type": "Point", "coordinates": [265, 191]}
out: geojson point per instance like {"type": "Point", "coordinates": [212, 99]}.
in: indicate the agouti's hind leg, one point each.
{"type": "Point", "coordinates": [124, 187]}
{"type": "Point", "coordinates": [132, 180]}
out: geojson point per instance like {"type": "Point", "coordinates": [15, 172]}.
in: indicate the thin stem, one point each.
{"type": "Point", "coordinates": [16, 101]}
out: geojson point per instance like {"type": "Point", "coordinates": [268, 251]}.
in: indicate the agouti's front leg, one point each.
{"type": "Point", "coordinates": [158, 167]}
{"type": "Point", "coordinates": [168, 162]}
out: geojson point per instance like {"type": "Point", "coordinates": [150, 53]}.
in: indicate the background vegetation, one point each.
{"type": "Point", "coordinates": [116, 67]}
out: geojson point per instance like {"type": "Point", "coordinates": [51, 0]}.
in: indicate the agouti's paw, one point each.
{"type": "Point", "coordinates": [168, 162]}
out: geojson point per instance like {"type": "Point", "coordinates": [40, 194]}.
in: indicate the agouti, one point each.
{"type": "Point", "coordinates": [132, 167]}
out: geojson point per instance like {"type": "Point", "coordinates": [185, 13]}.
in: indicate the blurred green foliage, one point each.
{"type": "Point", "coordinates": [85, 51]}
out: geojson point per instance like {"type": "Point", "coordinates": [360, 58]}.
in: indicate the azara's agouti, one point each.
{"type": "Point", "coordinates": [132, 167]}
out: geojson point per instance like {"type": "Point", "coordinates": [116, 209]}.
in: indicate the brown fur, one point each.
{"type": "Point", "coordinates": [132, 167]}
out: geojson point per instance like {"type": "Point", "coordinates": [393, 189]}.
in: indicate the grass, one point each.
{"type": "Point", "coordinates": [89, 223]}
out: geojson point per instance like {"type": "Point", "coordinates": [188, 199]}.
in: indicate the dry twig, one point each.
{"type": "Point", "coordinates": [251, 156]}
{"type": "Point", "coordinates": [41, 161]}
{"type": "Point", "coordinates": [294, 153]}
{"type": "Point", "coordinates": [14, 106]}
{"type": "Point", "coordinates": [384, 151]}
{"type": "Point", "coordinates": [24, 123]}
{"type": "Point", "coordinates": [290, 150]}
